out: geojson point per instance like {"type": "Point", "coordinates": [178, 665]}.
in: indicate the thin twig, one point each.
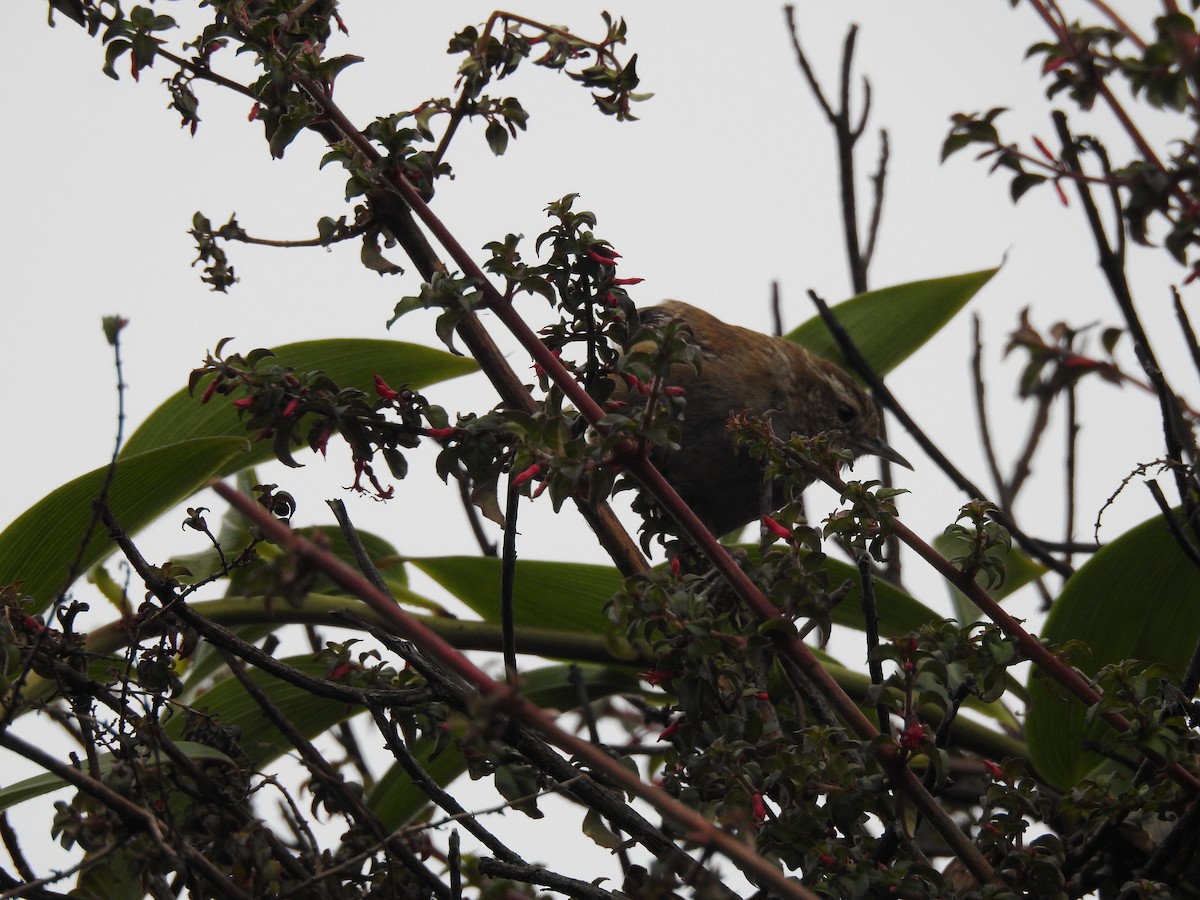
{"type": "Point", "coordinates": [871, 632]}
{"type": "Point", "coordinates": [365, 564]}
{"type": "Point", "coordinates": [571, 887]}
{"type": "Point", "coordinates": [1185, 325]}
{"type": "Point", "coordinates": [434, 791]}
{"type": "Point", "coordinates": [859, 363]}
{"type": "Point", "coordinates": [508, 577]}
{"type": "Point", "coordinates": [1185, 542]}
{"type": "Point", "coordinates": [589, 717]}
{"type": "Point", "coordinates": [985, 434]}
{"type": "Point", "coordinates": [878, 183]}
{"type": "Point", "coordinates": [1037, 427]}
{"type": "Point", "coordinates": [1072, 440]}
{"type": "Point", "coordinates": [486, 546]}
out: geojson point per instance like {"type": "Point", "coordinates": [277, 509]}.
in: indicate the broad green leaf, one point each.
{"type": "Point", "coordinates": [349, 362]}
{"type": "Point", "coordinates": [554, 595]}
{"type": "Point", "coordinates": [43, 784]}
{"type": "Point", "coordinates": [397, 800]}
{"type": "Point", "coordinates": [1135, 599]}
{"type": "Point", "coordinates": [262, 742]}
{"type": "Point", "coordinates": [37, 549]}
{"type": "Point", "coordinates": [571, 596]}
{"type": "Point", "coordinates": [890, 324]}
{"type": "Point", "coordinates": [1019, 568]}
{"type": "Point", "coordinates": [898, 612]}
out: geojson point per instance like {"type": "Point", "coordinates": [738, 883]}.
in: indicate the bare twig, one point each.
{"type": "Point", "coordinates": [508, 577]}
{"type": "Point", "coordinates": [871, 632]}
{"type": "Point", "coordinates": [863, 368]}
{"type": "Point", "coordinates": [985, 435]}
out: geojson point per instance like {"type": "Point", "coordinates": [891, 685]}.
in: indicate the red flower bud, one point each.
{"type": "Point", "coordinates": [439, 434]}
{"type": "Point", "coordinates": [290, 409]}
{"type": "Point", "coordinates": [776, 529]}
{"type": "Point", "coordinates": [1045, 150]}
{"type": "Point", "coordinates": [604, 260]}
{"type": "Point", "coordinates": [527, 474]}
{"type": "Point", "coordinates": [243, 402]}
{"type": "Point", "coordinates": [912, 736]}
{"type": "Point", "coordinates": [675, 566]}
{"type": "Point", "coordinates": [994, 770]}
{"type": "Point", "coordinates": [1074, 361]}
{"type": "Point", "coordinates": [759, 807]}
{"type": "Point", "coordinates": [210, 390]}
{"type": "Point", "coordinates": [382, 389]}
{"type": "Point", "coordinates": [667, 733]}
{"type": "Point", "coordinates": [674, 390]}
{"type": "Point", "coordinates": [624, 281]}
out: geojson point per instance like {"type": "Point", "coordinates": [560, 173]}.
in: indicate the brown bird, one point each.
{"type": "Point", "coordinates": [744, 370]}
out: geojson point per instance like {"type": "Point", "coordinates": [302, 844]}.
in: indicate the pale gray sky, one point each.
{"type": "Point", "coordinates": [726, 183]}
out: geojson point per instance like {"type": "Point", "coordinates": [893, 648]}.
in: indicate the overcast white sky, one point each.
{"type": "Point", "coordinates": [726, 183]}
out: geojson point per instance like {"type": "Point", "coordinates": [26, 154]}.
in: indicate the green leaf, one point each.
{"type": "Point", "coordinates": [889, 325]}
{"type": "Point", "coordinates": [1019, 569]}
{"type": "Point", "coordinates": [497, 138]}
{"type": "Point", "coordinates": [262, 742]}
{"type": "Point", "coordinates": [1135, 599]}
{"type": "Point", "coordinates": [396, 800]}
{"type": "Point", "coordinates": [43, 784]}
{"type": "Point", "coordinates": [348, 361]}
{"type": "Point", "coordinates": [571, 596]}
{"type": "Point", "coordinates": [38, 548]}
{"type": "Point", "coordinates": [898, 612]}
{"type": "Point", "coordinates": [554, 595]}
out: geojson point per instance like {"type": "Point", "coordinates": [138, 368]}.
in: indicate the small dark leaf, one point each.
{"type": "Point", "coordinates": [497, 138]}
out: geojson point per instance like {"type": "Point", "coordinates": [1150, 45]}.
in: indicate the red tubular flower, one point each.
{"type": "Point", "coordinates": [210, 390]}
{"type": "Point", "coordinates": [382, 389]}
{"type": "Point", "coordinates": [527, 474]}
{"type": "Point", "coordinates": [759, 807]}
{"type": "Point", "coordinates": [604, 260]}
{"type": "Point", "coordinates": [439, 434]}
{"type": "Point", "coordinates": [625, 281]}
{"type": "Point", "coordinates": [912, 736]}
{"type": "Point", "coordinates": [243, 402]}
{"type": "Point", "coordinates": [667, 733]}
{"type": "Point", "coordinates": [776, 529]}
{"type": "Point", "coordinates": [290, 409]}
{"type": "Point", "coordinates": [1074, 361]}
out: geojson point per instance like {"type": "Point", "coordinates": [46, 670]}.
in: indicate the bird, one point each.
{"type": "Point", "coordinates": [747, 371]}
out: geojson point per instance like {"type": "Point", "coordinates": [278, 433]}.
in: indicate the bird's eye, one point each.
{"type": "Point", "coordinates": [846, 413]}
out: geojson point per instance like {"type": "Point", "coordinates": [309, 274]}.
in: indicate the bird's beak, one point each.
{"type": "Point", "coordinates": [876, 447]}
